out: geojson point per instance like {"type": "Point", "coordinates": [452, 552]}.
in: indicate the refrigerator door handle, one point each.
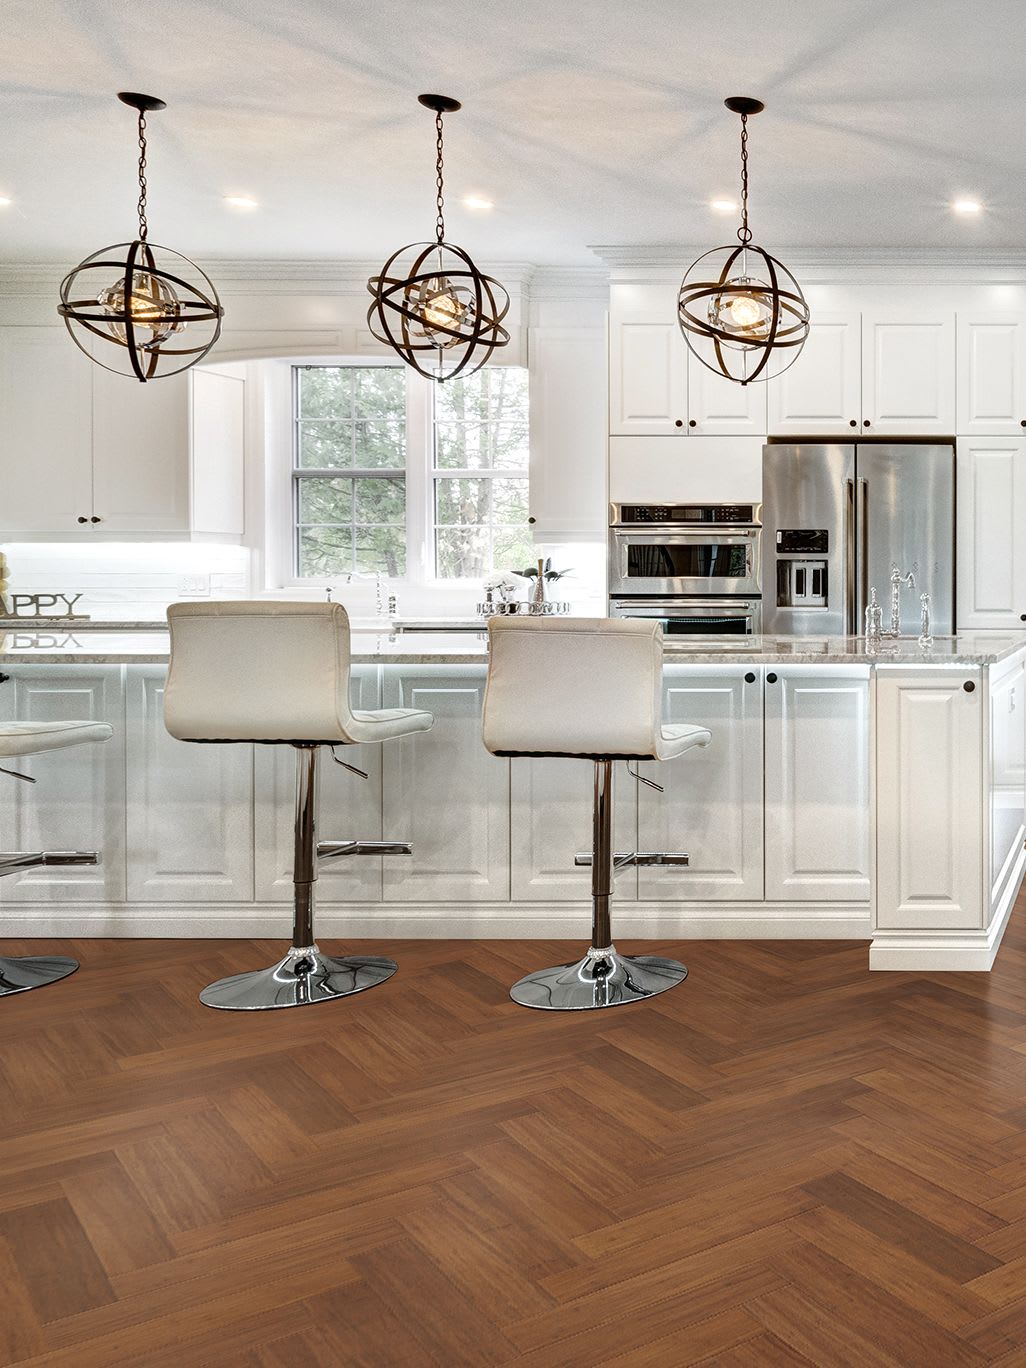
{"type": "Point", "coordinates": [850, 626]}
{"type": "Point", "coordinates": [863, 517]}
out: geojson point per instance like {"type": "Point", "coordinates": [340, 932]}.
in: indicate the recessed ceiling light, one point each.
{"type": "Point", "coordinates": [5, 201]}
{"type": "Point", "coordinates": [241, 201]}
{"type": "Point", "coordinates": [967, 206]}
{"type": "Point", "coordinates": [723, 206]}
{"type": "Point", "coordinates": [477, 202]}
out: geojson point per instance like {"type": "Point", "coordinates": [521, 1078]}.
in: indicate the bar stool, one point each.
{"type": "Point", "coordinates": [19, 739]}
{"type": "Point", "coordinates": [278, 674]}
{"type": "Point", "coordinates": [590, 689]}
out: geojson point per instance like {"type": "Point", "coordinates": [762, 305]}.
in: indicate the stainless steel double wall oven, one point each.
{"type": "Point", "coordinates": [695, 567]}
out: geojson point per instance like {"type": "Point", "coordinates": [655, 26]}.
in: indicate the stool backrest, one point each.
{"type": "Point", "coordinates": [258, 671]}
{"type": "Point", "coordinates": [573, 686]}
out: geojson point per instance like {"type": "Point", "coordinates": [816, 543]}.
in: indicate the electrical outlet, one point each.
{"type": "Point", "coordinates": [194, 584]}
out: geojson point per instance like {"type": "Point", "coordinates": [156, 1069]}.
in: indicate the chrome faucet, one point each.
{"type": "Point", "coordinates": [897, 580]}
{"type": "Point", "coordinates": [925, 635]}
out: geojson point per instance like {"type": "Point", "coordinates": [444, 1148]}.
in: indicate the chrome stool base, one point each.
{"type": "Point", "coordinates": [603, 978]}
{"type": "Point", "coordinates": [303, 977]}
{"type": "Point", "coordinates": [36, 971]}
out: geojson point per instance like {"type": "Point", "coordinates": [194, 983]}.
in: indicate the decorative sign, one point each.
{"type": "Point", "coordinates": [39, 606]}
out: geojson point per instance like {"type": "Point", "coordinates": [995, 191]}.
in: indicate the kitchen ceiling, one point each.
{"type": "Point", "coordinates": [598, 122]}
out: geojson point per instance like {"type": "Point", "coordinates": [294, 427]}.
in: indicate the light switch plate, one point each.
{"type": "Point", "coordinates": [194, 584]}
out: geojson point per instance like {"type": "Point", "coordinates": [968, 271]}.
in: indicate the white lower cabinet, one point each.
{"type": "Point", "coordinates": [817, 784]}
{"type": "Point", "coordinates": [1007, 770]}
{"type": "Point", "coordinates": [444, 792]}
{"type": "Point", "coordinates": [78, 799]}
{"type": "Point", "coordinates": [712, 806]}
{"type": "Point", "coordinates": [348, 808]}
{"type": "Point", "coordinates": [189, 807]}
{"type": "Point", "coordinates": [929, 759]}
{"type": "Point", "coordinates": [551, 820]}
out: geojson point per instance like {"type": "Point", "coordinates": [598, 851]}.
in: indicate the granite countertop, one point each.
{"type": "Point", "coordinates": [147, 645]}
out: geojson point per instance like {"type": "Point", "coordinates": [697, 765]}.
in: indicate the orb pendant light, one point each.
{"type": "Point", "coordinates": [137, 308]}
{"type": "Point", "coordinates": [741, 312]}
{"type": "Point", "coordinates": [431, 304]}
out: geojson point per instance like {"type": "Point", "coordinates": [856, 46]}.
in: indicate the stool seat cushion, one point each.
{"type": "Point", "coordinates": [677, 738]}
{"type": "Point", "coordinates": [28, 738]}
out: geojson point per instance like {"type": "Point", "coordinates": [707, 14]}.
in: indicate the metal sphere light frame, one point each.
{"type": "Point", "coordinates": [140, 297]}
{"type": "Point", "coordinates": [430, 303]}
{"type": "Point", "coordinates": [741, 311]}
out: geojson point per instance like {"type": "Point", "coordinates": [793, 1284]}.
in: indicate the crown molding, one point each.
{"type": "Point", "coordinates": [869, 265]}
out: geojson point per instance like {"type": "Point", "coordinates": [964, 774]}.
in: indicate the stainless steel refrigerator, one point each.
{"type": "Point", "coordinates": [837, 516]}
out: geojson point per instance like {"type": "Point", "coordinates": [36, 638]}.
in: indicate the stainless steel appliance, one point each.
{"type": "Point", "coordinates": [838, 516]}
{"type": "Point", "coordinates": [695, 567]}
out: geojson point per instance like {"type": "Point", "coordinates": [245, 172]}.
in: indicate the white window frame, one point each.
{"type": "Point", "coordinates": [420, 476]}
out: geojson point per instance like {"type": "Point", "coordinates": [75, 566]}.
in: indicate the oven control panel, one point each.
{"type": "Point", "coordinates": [684, 515]}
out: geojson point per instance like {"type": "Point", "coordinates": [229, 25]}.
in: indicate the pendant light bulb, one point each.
{"type": "Point", "coordinates": [152, 305]}
{"type": "Point", "coordinates": [441, 310]}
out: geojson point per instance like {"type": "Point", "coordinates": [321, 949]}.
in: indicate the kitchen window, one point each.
{"type": "Point", "coordinates": [395, 475]}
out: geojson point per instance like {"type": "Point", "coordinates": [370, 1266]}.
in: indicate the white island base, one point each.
{"type": "Point", "coordinates": [880, 797]}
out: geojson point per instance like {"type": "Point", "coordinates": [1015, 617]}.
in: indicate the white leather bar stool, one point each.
{"type": "Point", "coordinates": [591, 689]}
{"type": "Point", "coordinates": [17, 740]}
{"type": "Point", "coordinates": [278, 674]}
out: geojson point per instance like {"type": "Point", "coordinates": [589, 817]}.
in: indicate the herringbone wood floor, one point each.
{"type": "Point", "coordinates": [787, 1160]}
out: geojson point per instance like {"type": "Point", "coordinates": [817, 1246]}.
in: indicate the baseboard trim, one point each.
{"type": "Point", "coordinates": [448, 921]}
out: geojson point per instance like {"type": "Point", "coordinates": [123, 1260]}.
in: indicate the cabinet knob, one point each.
{"type": "Point", "coordinates": [95, 519]}
{"type": "Point", "coordinates": [749, 678]}
{"type": "Point", "coordinates": [1022, 422]}
{"type": "Point", "coordinates": [532, 520]}
{"type": "Point", "coordinates": [3, 678]}
{"type": "Point", "coordinates": [866, 422]}
{"type": "Point", "coordinates": [771, 678]}
{"type": "Point", "coordinates": [693, 422]}
{"type": "Point", "coordinates": [1022, 617]}
{"type": "Point", "coordinates": [969, 686]}
{"type": "Point", "coordinates": [679, 422]}
{"type": "Point", "coordinates": [82, 520]}
{"type": "Point", "coordinates": [853, 422]}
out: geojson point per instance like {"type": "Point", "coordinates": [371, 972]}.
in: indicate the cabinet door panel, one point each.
{"type": "Point", "coordinates": [929, 821]}
{"type": "Point", "coordinates": [140, 453]}
{"type": "Point", "coordinates": [217, 461]}
{"type": "Point", "coordinates": [908, 373]}
{"type": "Point", "coordinates": [817, 787]}
{"type": "Point", "coordinates": [712, 807]}
{"type": "Point", "coordinates": [647, 375]}
{"type": "Point", "coordinates": [45, 432]}
{"type": "Point", "coordinates": [348, 808]}
{"type": "Point", "coordinates": [444, 792]}
{"type": "Point", "coordinates": [77, 802]}
{"type": "Point", "coordinates": [1007, 770]}
{"type": "Point", "coordinates": [821, 392]}
{"type": "Point", "coordinates": [991, 374]}
{"type": "Point", "coordinates": [190, 807]}
{"type": "Point", "coordinates": [720, 407]}
{"type": "Point", "coordinates": [991, 542]}
{"type": "Point", "coordinates": [552, 820]}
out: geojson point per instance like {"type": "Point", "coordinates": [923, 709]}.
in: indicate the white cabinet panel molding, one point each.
{"type": "Point", "coordinates": [908, 373]}
{"type": "Point", "coordinates": [140, 453]}
{"type": "Point", "coordinates": [702, 469]}
{"type": "Point", "coordinates": [991, 371]}
{"type": "Point", "coordinates": [720, 407]}
{"type": "Point", "coordinates": [991, 534]}
{"type": "Point", "coordinates": [821, 392]}
{"type": "Point", "coordinates": [647, 375]}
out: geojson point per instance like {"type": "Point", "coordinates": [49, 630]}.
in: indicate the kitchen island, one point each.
{"type": "Point", "coordinates": [848, 792]}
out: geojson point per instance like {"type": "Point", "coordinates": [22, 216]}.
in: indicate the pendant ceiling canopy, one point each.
{"type": "Point", "coordinates": [741, 311]}
{"type": "Point", "coordinates": [430, 303]}
{"type": "Point", "coordinates": [137, 308]}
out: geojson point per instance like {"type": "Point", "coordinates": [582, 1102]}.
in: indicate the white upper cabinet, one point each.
{"type": "Point", "coordinates": [991, 534]}
{"type": "Point", "coordinates": [567, 484]}
{"type": "Point", "coordinates": [45, 431]}
{"type": "Point", "coordinates": [85, 452]}
{"type": "Point", "coordinates": [647, 374]}
{"type": "Point", "coordinates": [821, 392]}
{"type": "Point", "coordinates": [908, 372]}
{"type": "Point", "coordinates": [991, 374]}
{"type": "Point", "coordinates": [720, 407]}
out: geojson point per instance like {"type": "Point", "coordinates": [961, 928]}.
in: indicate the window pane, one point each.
{"type": "Point", "coordinates": [381, 501]}
{"type": "Point", "coordinates": [462, 501]}
{"type": "Point", "coordinates": [325, 391]}
{"type": "Point", "coordinates": [481, 446]}
{"type": "Point", "coordinates": [381, 549]}
{"type": "Point", "coordinates": [325, 444]}
{"type": "Point", "coordinates": [462, 553]}
{"type": "Point", "coordinates": [509, 501]}
{"type": "Point", "coordinates": [325, 550]}
{"type": "Point", "coordinates": [379, 392]}
{"type": "Point", "coordinates": [325, 501]}
{"type": "Point", "coordinates": [513, 549]}
{"type": "Point", "coordinates": [493, 394]}
{"type": "Point", "coordinates": [381, 446]}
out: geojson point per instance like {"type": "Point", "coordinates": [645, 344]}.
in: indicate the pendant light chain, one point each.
{"type": "Point", "coordinates": [744, 232]}
{"type": "Point", "coordinates": [440, 196]}
{"type": "Point", "coordinates": [143, 225]}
